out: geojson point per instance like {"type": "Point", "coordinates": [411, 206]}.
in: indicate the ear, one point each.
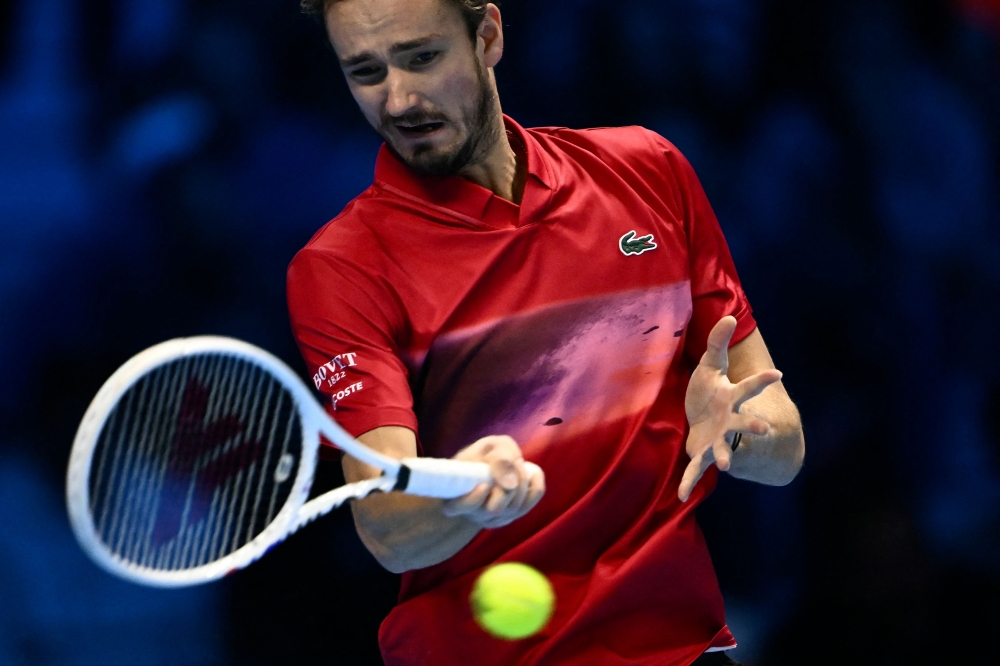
{"type": "Point", "coordinates": [491, 32]}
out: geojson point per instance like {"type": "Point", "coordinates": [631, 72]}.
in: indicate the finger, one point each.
{"type": "Point", "coordinates": [476, 451]}
{"type": "Point", "coordinates": [753, 386]}
{"type": "Point", "coordinates": [717, 351]}
{"type": "Point", "coordinates": [501, 446]}
{"type": "Point", "coordinates": [505, 472]}
{"type": "Point", "coordinates": [749, 424]}
{"type": "Point", "coordinates": [535, 491]}
{"type": "Point", "coordinates": [509, 504]}
{"type": "Point", "coordinates": [521, 493]}
{"type": "Point", "coordinates": [503, 456]}
{"type": "Point", "coordinates": [694, 471]}
{"type": "Point", "coordinates": [466, 504]}
{"type": "Point", "coordinates": [498, 500]}
{"type": "Point", "coordinates": [722, 452]}
{"type": "Point", "coordinates": [519, 505]}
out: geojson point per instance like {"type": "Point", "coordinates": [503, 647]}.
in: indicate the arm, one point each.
{"type": "Point", "coordinates": [756, 405]}
{"type": "Point", "coordinates": [406, 532]}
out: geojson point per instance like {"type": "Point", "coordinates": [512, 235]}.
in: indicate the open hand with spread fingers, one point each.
{"type": "Point", "coordinates": [713, 406]}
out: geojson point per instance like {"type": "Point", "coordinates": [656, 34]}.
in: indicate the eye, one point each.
{"type": "Point", "coordinates": [425, 57]}
{"type": "Point", "coordinates": [366, 72]}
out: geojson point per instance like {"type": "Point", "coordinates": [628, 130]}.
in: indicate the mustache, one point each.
{"type": "Point", "coordinates": [412, 118]}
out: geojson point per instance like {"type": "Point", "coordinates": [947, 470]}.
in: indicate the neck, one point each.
{"type": "Point", "coordinates": [503, 171]}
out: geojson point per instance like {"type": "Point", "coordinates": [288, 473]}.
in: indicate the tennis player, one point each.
{"type": "Point", "coordinates": [503, 294]}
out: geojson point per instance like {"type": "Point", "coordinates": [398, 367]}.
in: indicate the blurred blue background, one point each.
{"type": "Point", "coordinates": [162, 160]}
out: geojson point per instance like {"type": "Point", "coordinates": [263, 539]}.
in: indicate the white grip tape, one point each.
{"type": "Point", "coordinates": [445, 479]}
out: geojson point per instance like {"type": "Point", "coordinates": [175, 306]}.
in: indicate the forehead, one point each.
{"type": "Point", "coordinates": [374, 26]}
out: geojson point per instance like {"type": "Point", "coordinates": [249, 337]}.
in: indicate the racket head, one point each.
{"type": "Point", "coordinates": [160, 449]}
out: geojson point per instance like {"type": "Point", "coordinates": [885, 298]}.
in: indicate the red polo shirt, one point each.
{"type": "Point", "coordinates": [571, 322]}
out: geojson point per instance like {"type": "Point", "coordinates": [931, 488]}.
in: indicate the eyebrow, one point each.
{"type": "Point", "coordinates": [398, 47]}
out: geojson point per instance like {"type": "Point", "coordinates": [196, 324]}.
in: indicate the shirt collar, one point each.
{"type": "Point", "coordinates": [467, 200]}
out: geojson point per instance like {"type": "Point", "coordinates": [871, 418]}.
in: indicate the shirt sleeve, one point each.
{"type": "Point", "coordinates": [715, 287]}
{"type": "Point", "coordinates": [345, 323]}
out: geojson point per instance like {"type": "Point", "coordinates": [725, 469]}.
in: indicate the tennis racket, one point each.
{"type": "Point", "coordinates": [197, 456]}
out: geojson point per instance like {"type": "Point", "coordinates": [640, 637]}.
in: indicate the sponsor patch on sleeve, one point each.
{"type": "Point", "coordinates": [329, 374]}
{"type": "Point", "coordinates": [346, 391]}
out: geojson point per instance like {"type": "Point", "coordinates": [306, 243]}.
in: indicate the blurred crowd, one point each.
{"type": "Point", "coordinates": [162, 160]}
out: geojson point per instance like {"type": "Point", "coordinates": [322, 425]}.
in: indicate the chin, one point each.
{"type": "Point", "coordinates": [427, 160]}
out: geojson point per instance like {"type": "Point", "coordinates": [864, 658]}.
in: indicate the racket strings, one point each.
{"type": "Point", "coordinates": [195, 460]}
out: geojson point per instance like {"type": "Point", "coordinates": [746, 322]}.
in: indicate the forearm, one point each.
{"type": "Point", "coordinates": [406, 532]}
{"type": "Point", "coordinates": [775, 458]}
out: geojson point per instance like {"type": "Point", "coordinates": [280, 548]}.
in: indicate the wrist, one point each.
{"type": "Point", "coordinates": [742, 457]}
{"type": "Point", "coordinates": [735, 443]}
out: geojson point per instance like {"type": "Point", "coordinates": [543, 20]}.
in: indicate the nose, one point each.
{"type": "Point", "coordinates": [400, 96]}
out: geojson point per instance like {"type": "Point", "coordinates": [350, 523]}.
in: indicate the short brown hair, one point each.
{"type": "Point", "coordinates": [473, 11]}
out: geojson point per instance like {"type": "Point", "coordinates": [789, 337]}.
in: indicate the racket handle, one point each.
{"type": "Point", "coordinates": [444, 478]}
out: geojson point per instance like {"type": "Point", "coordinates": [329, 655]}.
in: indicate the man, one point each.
{"type": "Point", "coordinates": [501, 295]}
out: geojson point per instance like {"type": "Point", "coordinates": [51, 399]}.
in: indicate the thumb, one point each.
{"type": "Point", "coordinates": [504, 473]}
{"type": "Point", "coordinates": [716, 354]}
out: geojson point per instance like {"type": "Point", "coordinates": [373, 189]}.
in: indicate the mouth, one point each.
{"type": "Point", "coordinates": [419, 130]}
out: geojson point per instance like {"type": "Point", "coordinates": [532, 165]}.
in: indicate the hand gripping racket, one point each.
{"type": "Point", "coordinates": [197, 456]}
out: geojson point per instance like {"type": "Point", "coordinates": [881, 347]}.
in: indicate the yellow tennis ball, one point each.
{"type": "Point", "coordinates": [512, 600]}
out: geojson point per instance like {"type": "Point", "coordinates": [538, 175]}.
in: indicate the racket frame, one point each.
{"type": "Point", "coordinates": [428, 477]}
{"type": "Point", "coordinates": [313, 421]}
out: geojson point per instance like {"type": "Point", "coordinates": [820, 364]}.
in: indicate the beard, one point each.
{"type": "Point", "coordinates": [481, 129]}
